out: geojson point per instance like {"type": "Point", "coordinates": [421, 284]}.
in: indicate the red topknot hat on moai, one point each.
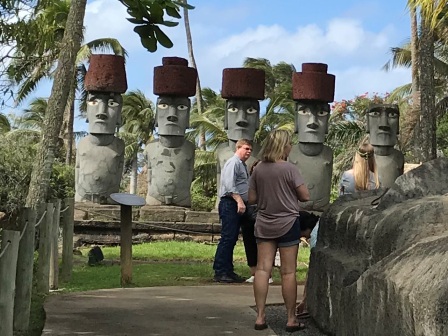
{"type": "Point", "coordinates": [175, 78]}
{"type": "Point", "coordinates": [106, 74]}
{"type": "Point", "coordinates": [313, 83]}
{"type": "Point", "coordinates": [243, 83]}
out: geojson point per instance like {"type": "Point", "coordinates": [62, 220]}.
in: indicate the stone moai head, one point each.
{"type": "Point", "coordinates": [174, 82]}
{"type": "Point", "coordinates": [242, 88]}
{"type": "Point", "coordinates": [105, 81]}
{"type": "Point", "coordinates": [313, 89]}
{"type": "Point", "coordinates": [383, 124]}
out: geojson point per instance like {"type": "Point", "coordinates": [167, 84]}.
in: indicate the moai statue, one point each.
{"type": "Point", "coordinates": [100, 155]}
{"type": "Point", "coordinates": [170, 158]}
{"type": "Point", "coordinates": [242, 88]}
{"type": "Point", "coordinates": [313, 89]}
{"type": "Point", "coordinates": [383, 128]}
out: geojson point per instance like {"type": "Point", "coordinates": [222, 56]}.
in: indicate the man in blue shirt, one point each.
{"type": "Point", "coordinates": [232, 207]}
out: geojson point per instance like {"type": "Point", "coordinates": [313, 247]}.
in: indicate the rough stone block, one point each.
{"type": "Point", "coordinates": [380, 270]}
{"type": "Point", "coordinates": [97, 212]}
{"type": "Point", "coordinates": [162, 214]}
{"type": "Point", "coordinates": [201, 217]}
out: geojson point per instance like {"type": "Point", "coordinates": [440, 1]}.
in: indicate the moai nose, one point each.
{"type": "Point", "coordinates": [242, 123]}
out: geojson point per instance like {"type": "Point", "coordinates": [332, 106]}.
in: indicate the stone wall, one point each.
{"type": "Point", "coordinates": [100, 224]}
{"type": "Point", "coordinates": [380, 266]}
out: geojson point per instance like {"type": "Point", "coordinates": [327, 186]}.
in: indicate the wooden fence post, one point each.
{"type": "Point", "coordinates": [54, 255]}
{"type": "Point", "coordinates": [8, 266]}
{"type": "Point", "coordinates": [24, 277]}
{"type": "Point", "coordinates": [43, 269]}
{"type": "Point", "coordinates": [68, 222]}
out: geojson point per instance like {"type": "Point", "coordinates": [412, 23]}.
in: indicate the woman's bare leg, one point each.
{"type": "Point", "coordinates": [266, 254]}
{"type": "Point", "coordinates": [288, 258]}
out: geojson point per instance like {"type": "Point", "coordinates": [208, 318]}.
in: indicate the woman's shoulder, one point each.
{"type": "Point", "coordinates": [347, 173]}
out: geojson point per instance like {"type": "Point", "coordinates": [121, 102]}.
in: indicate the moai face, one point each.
{"type": "Point", "coordinates": [311, 121]}
{"type": "Point", "coordinates": [383, 124]}
{"type": "Point", "coordinates": [242, 118]}
{"type": "Point", "coordinates": [173, 115]}
{"type": "Point", "coordinates": [104, 112]}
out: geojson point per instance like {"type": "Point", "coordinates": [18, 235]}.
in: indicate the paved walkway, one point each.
{"type": "Point", "coordinates": [158, 311]}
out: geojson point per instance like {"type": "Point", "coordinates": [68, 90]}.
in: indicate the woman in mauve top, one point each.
{"type": "Point", "coordinates": [275, 186]}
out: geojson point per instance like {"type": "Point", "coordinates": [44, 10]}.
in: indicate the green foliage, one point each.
{"type": "Point", "coordinates": [201, 201]}
{"type": "Point", "coordinates": [17, 154]}
{"type": "Point", "coordinates": [16, 160]}
{"type": "Point", "coordinates": [62, 182]}
{"type": "Point", "coordinates": [442, 135]}
{"type": "Point", "coordinates": [355, 109]}
{"type": "Point", "coordinates": [149, 15]}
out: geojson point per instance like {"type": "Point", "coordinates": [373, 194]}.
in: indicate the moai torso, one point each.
{"type": "Point", "coordinates": [98, 169]}
{"type": "Point", "coordinates": [170, 174]}
{"type": "Point", "coordinates": [389, 167]}
{"type": "Point", "coordinates": [317, 171]}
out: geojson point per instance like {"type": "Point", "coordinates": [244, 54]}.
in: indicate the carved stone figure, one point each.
{"type": "Point", "coordinates": [100, 155]}
{"type": "Point", "coordinates": [383, 128]}
{"type": "Point", "coordinates": [170, 158]}
{"type": "Point", "coordinates": [242, 88]}
{"type": "Point", "coordinates": [313, 89]}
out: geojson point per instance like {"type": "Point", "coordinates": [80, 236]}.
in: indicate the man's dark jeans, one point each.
{"type": "Point", "coordinates": [230, 229]}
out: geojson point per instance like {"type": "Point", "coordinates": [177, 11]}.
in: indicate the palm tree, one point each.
{"type": "Point", "coordinates": [199, 100]}
{"type": "Point", "coordinates": [138, 125]}
{"type": "Point", "coordinates": [278, 91]}
{"type": "Point", "coordinates": [71, 42]}
{"type": "Point", "coordinates": [429, 19]}
{"type": "Point", "coordinates": [410, 56]}
{"type": "Point", "coordinates": [210, 122]}
{"type": "Point", "coordinates": [33, 117]}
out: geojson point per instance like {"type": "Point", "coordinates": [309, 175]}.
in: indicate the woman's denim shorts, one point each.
{"type": "Point", "coordinates": [290, 238]}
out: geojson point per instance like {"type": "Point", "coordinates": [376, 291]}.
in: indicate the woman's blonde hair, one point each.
{"type": "Point", "coordinates": [274, 146]}
{"type": "Point", "coordinates": [363, 164]}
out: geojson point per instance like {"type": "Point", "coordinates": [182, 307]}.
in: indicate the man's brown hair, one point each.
{"type": "Point", "coordinates": [241, 142]}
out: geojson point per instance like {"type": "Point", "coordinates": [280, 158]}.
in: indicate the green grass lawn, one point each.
{"type": "Point", "coordinates": [162, 264]}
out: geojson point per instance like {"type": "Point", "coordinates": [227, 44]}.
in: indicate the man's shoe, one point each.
{"type": "Point", "coordinates": [236, 277]}
{"type": "Point", "coordinates": [223, 279]}
{"type": "Point", "coordinates": [251, 279]}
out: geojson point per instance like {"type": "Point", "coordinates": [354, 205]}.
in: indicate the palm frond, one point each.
{"type": "Point", "coordinates": [400, 93]}
{"type": "Point", "coordinates": [401, 57]}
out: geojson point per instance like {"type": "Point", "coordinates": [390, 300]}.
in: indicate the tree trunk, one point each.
{"type": "Point", "coordinates": [428, 114]}
{"type": "Point", "coordinates": [193, 64]}
{"type": "Point", "coordinates": [134, 172]}
{"type": "Point", "coordinates": [67, 125]}
{"type": "Point", "coordinates": [414, 121]}
{"type": "Point", "coordinates": [71, 42]}
{"type": "Point", "coordinates": [70, 135]}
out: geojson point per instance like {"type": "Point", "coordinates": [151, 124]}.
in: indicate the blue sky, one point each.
{"type": "Point", "coordinates": [353, 37]}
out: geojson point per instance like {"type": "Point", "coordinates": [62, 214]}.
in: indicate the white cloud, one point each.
{"type": "Point", "coordinates": [354, 54]}
{"type": "Point", "coordinates": [354, 81]}
{"type": "Point", "coordinates": [106, 18]}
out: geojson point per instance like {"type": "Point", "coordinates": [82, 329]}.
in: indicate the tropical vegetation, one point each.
{"type": "Point", "coordinates": [45, 122]}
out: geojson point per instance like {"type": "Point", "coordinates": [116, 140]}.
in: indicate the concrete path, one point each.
{"type": "Point", "coordinates": [158, 311]}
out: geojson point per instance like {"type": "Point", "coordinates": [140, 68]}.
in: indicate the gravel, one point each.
{"type": "Point", "coordinates": [276, 319]}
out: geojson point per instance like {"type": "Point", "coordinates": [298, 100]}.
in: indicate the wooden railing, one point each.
{"type": "Point", "coordinates": [17, 258]}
